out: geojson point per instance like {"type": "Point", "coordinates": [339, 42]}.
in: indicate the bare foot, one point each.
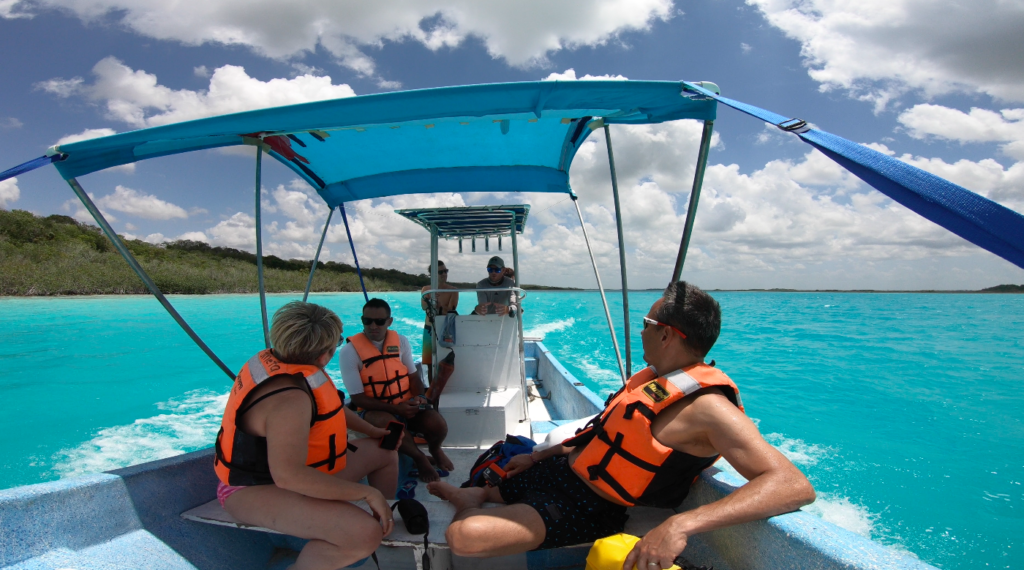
{"type": "Point", "coordinates": [440, 459]}
{"type": "Point", "coordinates": [462, 499]}
{"type": "Point", "coordinates": [442, 490]}
{"type": "Point", "coordinates": [427, 471]}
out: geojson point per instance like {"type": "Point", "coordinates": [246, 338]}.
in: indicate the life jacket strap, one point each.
{"type": "Point", "coordinates": [379, 357]}
{"type": "Point", "coordinates": [383, 394]}
{"type": "Point", "coordinates": [332, 453]}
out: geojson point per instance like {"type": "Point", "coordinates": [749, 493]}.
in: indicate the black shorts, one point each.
{"type": "Point", "coordinates": [572, 512]}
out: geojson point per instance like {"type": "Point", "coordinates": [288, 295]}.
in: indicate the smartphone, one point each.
{"type": "Point", "coordinates": [390, 441]}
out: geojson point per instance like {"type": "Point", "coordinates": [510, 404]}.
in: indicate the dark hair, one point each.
{"type": "Point", "coordinates": [695, 313]}
{"type": "Point", "coordinates": [376, 303]}
{"type": "Point", "coordinates": [439, 264]}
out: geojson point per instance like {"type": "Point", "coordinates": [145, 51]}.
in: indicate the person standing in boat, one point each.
{"type": "Point", "coordinates": [496, 302]}
{"type": "Point", "coordinates": [283, 456]}
{"type": "Point", "coordinates": [446, 303]}
{"type": "Point", "coordinates": [670, 422]}
{"type": "Point", "coordinates": [378, 370]}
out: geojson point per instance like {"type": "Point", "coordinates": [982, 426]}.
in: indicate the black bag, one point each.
{"type": "Point", "coordinates": [416, 522]}
{"type": "Point", "coordinates": [415, 516]}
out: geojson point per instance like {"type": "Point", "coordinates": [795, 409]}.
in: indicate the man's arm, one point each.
{"type": "Point", "coordinates": [775, 485]}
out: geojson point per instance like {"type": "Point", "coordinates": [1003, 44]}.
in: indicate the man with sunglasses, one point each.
{"type": "Point", "coordinates": [671, 421]}
{"type": "Point", "coordinates": [379, 374]}
{"type": "Point", "coordinates": [495, 302]}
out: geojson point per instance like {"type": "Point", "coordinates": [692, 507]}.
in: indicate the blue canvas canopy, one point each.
{"type": "Point", "coordinates": [513, 137]}
{"type": "Point", "coordinates": [516, 137]}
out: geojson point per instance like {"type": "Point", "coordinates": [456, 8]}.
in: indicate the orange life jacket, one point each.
{"type": "Point", "coordinates": [384, 376]}
{"type": "Point", "coordinates": [620, 454]}
{"type": "Point", "coordinates": [241, 459]}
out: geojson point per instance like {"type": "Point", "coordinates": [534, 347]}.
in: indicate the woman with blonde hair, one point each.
{"type": "Point", "coordinates": [283, 456]}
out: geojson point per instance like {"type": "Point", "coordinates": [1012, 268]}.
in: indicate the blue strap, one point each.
{"type": "Point", "coordinates": [31, 165]}
{"type": "Point", "coordinates": [975, 218]}
{"type": "Point", "coordinates": [344, 218]}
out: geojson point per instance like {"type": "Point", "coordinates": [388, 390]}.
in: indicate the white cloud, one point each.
{"type": "Point", "coordinates": [61, 87]}
{"type": "Point", "coordinates": [238, 231]}
{"type": "Point", "coordinates": [9, 192]}
{"type": "Point", "coordinates": [131, 227]}
{"type": "Point", "coordinates": [10, 123]}
{"type": "Point", "coordinates": [79, 212]}
{"type": "Point", "coordinates": [8, 10]}
{"type": "Point", "coordinates": [86, 135]}
{"type": "Point", "coordinates": [136, 98]}
{"type": "Point", "coordinates": [133, 202]}
{"type": "Point", "coordinates": [879, 49]}
{"type": "Point", "coordinates": [522, 33]}
{"type": "Point", "coordinates": [201, 71]}
{"type": "Point", "coordinates": [570, 75]}
{"type": "Point", "coordinates": [193, 236]}
{"type": "Point", "coordinates": [155, 239]}
{"type": "Point", "coordinates": [980, 125]}
{"type": "Point", "coordinates": [745, 48]}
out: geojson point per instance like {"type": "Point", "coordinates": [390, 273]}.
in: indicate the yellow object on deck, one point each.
{"type": "Point", "coordinates": [610, 552]}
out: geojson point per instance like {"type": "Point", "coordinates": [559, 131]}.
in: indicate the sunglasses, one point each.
{"type": "Point", "coordinates": [378, 322]}
{"type": "Point", "coordinates": [442, 272]}
{"type": "Point", "coordinates": [650, 321]}
{"type": "Point", "coordinates": [494, 270]}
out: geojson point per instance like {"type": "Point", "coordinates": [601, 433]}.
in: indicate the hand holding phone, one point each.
{"type": "Point", "coordinates": [390, 441]}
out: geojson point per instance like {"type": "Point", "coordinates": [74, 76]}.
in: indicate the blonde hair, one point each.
{"type": "Point", "coordinates": [302, 332]}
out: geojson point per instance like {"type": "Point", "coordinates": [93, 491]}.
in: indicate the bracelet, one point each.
{"type": "Point", "coordinates": [532, 459]}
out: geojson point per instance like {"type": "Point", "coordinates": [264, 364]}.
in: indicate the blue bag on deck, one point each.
{"type": "Point", "coordinates": [498, 455]}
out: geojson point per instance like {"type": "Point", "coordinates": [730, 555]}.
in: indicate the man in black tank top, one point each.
{"type": "Point", "coordinates": [549, 504]}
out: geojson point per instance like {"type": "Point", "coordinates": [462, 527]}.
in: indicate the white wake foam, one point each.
{"type": "Point", "coordinates": [541, 330]}
{"type": "Point", "coordinates": [831, 507]}
{"type": "Point", "coordinates": [796, 450]}
{"type": "Point", "coordinates": [190, 423]}
{"type": "Point", "coordinates": [595, 373]}
{"type": "Point", "coordinates": [844, 513]}
{"type": "Point", "coordinates": [410, 322]}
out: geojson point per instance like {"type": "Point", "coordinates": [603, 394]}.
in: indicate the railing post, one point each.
{"type": "Point", "coordinates": [622, 252]}
{"type": "Point", "coordinates": [137, 268]}
{"type": "Point", "coordinates": [316, 258]}
{"type": "Point", "coordinates": [259, 245]}
{"type": "Point", "coordinates": [691, 211]}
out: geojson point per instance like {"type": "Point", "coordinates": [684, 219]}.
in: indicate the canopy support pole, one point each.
{"type": "Point", "coordinates": [519, 322]}
{"type": "Point", "coordinates": [316, 258]}
{"type": "Point", "coordinates": [622, 251]}
{"type": "Point", "coordinates": [134, 264]}
{"type": "Point", "coordinates": [691, 210]}
{"type": "Point", "coordinates": [352, 244]}
{"type": "Point", "coordinates": [600, 287]}
{"type": "Point", "coordinates": [259, 245]}
{"type": "Point", "coordinates": [433, 301]}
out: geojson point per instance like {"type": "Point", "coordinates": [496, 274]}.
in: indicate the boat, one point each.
{"type": "Point", "coordinates": [514, 138]}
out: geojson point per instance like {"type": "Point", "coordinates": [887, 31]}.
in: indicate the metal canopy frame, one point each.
{"type": "Point", "coordinates": [471, 222]}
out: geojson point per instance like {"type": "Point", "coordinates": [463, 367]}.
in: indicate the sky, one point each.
{"type": "Point", "coordinates": [936, 83]}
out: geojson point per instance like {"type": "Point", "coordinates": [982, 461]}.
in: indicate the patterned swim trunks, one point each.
{"type": "Point", "coordinates": [572, 512]}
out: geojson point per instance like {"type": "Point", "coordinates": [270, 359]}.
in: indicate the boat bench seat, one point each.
{"type": "Point", "coordinates": [439, 512]}
{"type": "Point", "coordinates": [641, 521]}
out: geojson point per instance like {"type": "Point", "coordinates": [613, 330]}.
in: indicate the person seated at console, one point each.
{"type": "Point", "coordinates": [283, 455]}
{"type": "Point", "coordinates": [378, 370]}
{"type": "Point", "coordinates": [496, 302]}
{"type": "Point", "coordinates": [670, 422]}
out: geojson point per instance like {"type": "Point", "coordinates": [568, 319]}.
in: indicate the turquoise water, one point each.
{"type": "Point", "coordinates": [904, 410]}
